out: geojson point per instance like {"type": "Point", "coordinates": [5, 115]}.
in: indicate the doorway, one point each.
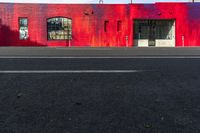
{"type": "Point", "coordinates": [154, 33]}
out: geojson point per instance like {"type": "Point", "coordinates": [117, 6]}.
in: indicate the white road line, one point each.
{"type": "Point", "coordinates": [115, 57]}
{"type": "Point", "coordinates": [66, 71]}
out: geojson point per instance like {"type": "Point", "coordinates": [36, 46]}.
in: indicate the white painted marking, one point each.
{"type": "Point", "coordinates": [67, 71]}
{"type": "Point", "coordinates": [106, 57]}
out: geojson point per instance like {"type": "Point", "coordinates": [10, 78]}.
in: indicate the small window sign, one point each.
{"type": "Point", "coordinates": [23, 28]}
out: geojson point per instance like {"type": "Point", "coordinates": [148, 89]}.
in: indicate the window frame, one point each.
{"type": "Point", "coordinates": [19, 26]}
{"type": "Point", "coordinates": [63, 30]}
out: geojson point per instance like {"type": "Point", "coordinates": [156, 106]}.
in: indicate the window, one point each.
{"type": "Point", "coordinates": [106, 26]}
{"type": "Point", "coordinates": [23, 28]}
{"type": "Point", "coordinates": [159, 29]}
{"type": "Point", "coordinates": [164, 29]}
{"type": "Point", "coordinates": [119, 25]}
{"type": "Point", "coordinates": [59, 28]}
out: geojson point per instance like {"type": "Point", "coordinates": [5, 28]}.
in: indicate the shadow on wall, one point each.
{"type": "Point", "coordinates": [9, 37]}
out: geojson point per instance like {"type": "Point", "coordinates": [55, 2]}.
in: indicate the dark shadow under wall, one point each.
{"type": "Point", "coordinates": [9, 37]}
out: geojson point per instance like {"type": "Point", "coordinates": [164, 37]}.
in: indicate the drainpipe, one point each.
{"type": "Point", "coordinates": [69, 43]}
{"type": "Point", "coordinates": [183, 41]}
{"type": "Point", "coordinates": [126, 41]}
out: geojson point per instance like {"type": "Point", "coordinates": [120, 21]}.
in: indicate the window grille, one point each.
{"type": "Point", "coordinates": [59, 28]}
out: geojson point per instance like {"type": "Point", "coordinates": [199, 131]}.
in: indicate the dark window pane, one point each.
{"type": "Point", "coordinates": [160, 29]}
{"type": "Point", "coordinates": [119, 25]}
{"type": "Point", "coordinates": [106, 26]}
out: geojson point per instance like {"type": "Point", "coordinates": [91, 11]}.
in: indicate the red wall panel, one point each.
{"type": "Point", "coordinates": [88, 23]}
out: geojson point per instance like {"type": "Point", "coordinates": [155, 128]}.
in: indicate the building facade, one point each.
{"type": "Point", "coordinates": [100, 25]}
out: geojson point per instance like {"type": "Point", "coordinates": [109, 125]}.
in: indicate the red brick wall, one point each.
{"type": "Point", "coordinates": [88, 23]}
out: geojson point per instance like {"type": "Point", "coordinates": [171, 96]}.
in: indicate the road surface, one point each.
{"type": "Point", "coordinates": [58, 91]}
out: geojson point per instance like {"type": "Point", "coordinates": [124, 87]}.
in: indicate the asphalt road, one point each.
{"type": "Point", "coordinates": [133, 94]}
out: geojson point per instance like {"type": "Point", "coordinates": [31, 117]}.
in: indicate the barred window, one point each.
{"type": "Point", "coordinates": [59, 28]}
{"type": "Point", "coordinates": [23, 28]}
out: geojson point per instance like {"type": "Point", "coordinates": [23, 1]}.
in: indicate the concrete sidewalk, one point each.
{"type": "Point", "coordinates": [97, 52]}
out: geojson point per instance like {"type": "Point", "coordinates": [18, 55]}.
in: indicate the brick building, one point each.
{"type": "Point", "coordinates": [100, 25]}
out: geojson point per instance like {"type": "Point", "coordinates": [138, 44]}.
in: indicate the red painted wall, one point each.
{"type": "Point", "coordinates": [88, 23]}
